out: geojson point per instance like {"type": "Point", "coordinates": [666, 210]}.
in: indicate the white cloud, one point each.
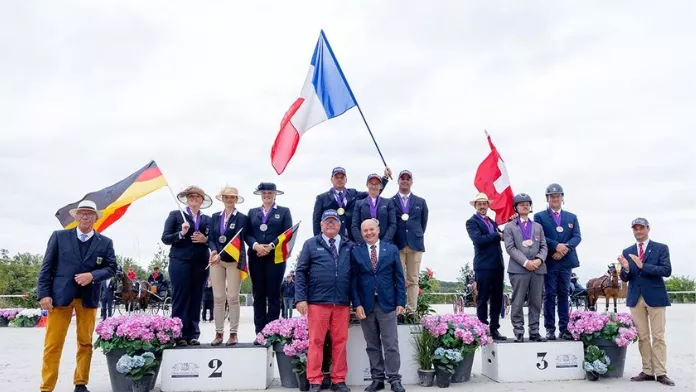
{"type": "Point", "coordinates": [596, 97]}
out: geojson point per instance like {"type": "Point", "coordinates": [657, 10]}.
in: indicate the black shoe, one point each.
{"type": "Point", "coordinates": [665, 380]}
{"type": "Point", "coordinates": [536, 338]}
{"type": "Point", "coordinates": [194, 342]}
{"type": "Point", "coordinates": [81, 388]}
{"type": "Point", "coordinates": [377, 385]}
{"type": "Point", "coordinates": [397, 387]}
{"type": "Point", "coordinates": [497, 336]}
{"type": "Point", "coordinates": [340, 387]}
{"type": "Point", "coordinates": [551, 335]}
{"type": "Point", "coordinates": [519, 338]}
{"type": "Point", "coordinates": [315, 388]}
{"type": "Point", "coordinates": [182, 343]}
{"type": "Point", "coordinates": [566, 336]}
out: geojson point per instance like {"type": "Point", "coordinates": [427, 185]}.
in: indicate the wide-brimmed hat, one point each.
{"type": "Point", "coordinates": [267, 186]}
{"type": "Point", "coordinates": [194, 189]}
{"type": "Point", "coordinates": [87, 205]}
{"type": "Point", "coordinates": [479, 197]}
{"type": "Point", "coordinates": [230, 191]}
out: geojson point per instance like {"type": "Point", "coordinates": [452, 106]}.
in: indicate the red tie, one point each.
{"type": "Point", "coordinates": [640, 251]}
{"type": "Point", "coordinates": [373, 257]}
{"type": "Point", "coordinates": [555, 213]}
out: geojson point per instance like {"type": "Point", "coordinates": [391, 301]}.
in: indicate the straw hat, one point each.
{"type": "Point", "coordinates": [479, 197]}
{"type": "Point", "coordinates": [87, 205]}
{"type": "Point", "coordinates": [230, 191]}
{"type": "Point", "coordinates": [193, 189]}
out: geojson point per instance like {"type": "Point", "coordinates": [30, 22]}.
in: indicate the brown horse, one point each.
{"type": "Point", "coordinates": [606, 286]}
{"type": "Point", "coordinates": [144, 294]}
{"type": "Point", "coordinates": [130, 296]}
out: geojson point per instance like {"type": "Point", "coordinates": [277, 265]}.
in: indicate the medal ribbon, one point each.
{"type": "Point", "coordinates": [265, 215]}
{"type": "Point", "coordinates": [556, 217]}
{"type": "Point", "coordinates": [526, 229]}
{"type": "Point", "coordinates": [404, 206]}
{"type": "Point", "coordinates": [223, 221]}
{"type": "Point", "coordinates": [488, 223]}
{"type": "Point", "coordinates": [340, 198]}
{"type": "Point", "coordinates": [373, 207]}
{"type": "Point", "coordinates": [197, 221]}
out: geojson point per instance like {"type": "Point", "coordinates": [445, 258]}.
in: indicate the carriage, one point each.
{"type": "Point", "coordinates": [142, 297]}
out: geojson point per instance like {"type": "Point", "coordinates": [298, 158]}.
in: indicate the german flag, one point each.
{"type": "Point", "coordinates": [285, 243]}
{"type": "Point", "coordinates": [115, 200]}
{"type": "Point", "coordinates": [234, 249]}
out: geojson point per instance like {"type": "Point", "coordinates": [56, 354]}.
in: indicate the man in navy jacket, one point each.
{"type": "Point", "coordinates": [562, 233]}
{"type": "Point", "coordinates": [489, 266]}
{"type": "Point", "coordinates": [645, 265]}
{"type": "Point", "coordinates": [379, 297]}
{"type": "Point", "coordinates": [376, 207]}
{"type": "Point", "coordinates": [322, 292]}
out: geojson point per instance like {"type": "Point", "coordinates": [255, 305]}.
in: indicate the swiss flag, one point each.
{"type": "Point", "coordinates": [492, 179]}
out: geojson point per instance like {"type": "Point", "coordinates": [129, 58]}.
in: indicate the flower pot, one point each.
{"type": "Point", "coordinates": [443, 378]}
{"type": "Point", "coordinates": [121, 383]}
{"type": "Point", "coordinates": [143, 384]}
{"type": "Point", "coordinates": [4, 322]}
{"type": "Point", "coordinates": [462, 372]}
{"type": "Point", "coordinates": [302, 381]}
{"type": "Point", "coordinates": [426, 377]}
{"type": "Point", "coordinates": [616, 354]}
{"type": "Point", "coordinates": [287, 376]}
{"type": "Point", "coordinates": [591, 376]}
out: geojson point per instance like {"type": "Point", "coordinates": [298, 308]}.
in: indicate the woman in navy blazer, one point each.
{"type": "Point", "coordinates": [266, 223]}
{"type": "Point", "coordinates": [188, 259]}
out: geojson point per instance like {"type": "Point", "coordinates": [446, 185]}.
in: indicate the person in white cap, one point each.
{"type": "Point", "coordinates": [75, 264]}
{"type": "Point", "coordinates": [489, 266]}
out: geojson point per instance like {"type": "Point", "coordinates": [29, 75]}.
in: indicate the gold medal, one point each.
{"type": "Point", "coordinates": [404, 217]}
{"type": "Point", "coordinates": [340, 211]}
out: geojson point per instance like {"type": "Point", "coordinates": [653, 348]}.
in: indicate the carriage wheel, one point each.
{"type": "Point", "coordinates": [167, 307]}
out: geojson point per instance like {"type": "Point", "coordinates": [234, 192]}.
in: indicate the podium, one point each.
{"type": "Point", "coordinates": [359, 363]}
{"type": "Point", "coordinates": [220, 368]}
{"type": "Point", "coordinates": [508, 361]}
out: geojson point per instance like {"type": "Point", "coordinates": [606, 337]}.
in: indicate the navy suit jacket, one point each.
{"type": "Point", "coordinates": [62, 262]}
{"type": "Point", "coordinates": [237, 223]}
{"type": "Point", "coordinates": [488, 254]}
{"type": "Point", "coordinates": [279, 220]}
{"type": "Point", "coordinates": [569, 237]}
{"type": "Point", "coordinates": [318, 279]}
{"type": "Point", "coordinates": [648, 281]}
{"type": "Point", "coordinates": [107, 290]}
{"type": "Point", "coordinates": [386, 215]}
{"type": "Point", "coordinates": [411, 232]}
{"type": "Point", "coordinates": [327, 201]}
{"type": "Point", "coordinates": [388, 280]}
{"type": "Point", "coordinates": [184, 248]}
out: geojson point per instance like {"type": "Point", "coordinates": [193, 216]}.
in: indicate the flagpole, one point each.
{"type": "Point", "coordinates": [223, 249]}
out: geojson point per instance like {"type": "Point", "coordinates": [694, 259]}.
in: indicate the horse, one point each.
{"type": "Point", "coordinates": [606, 286]}
{"type": "Point", "coordinates": [128, 295]}
{"type": "Point", "coordinates": [144, 294]}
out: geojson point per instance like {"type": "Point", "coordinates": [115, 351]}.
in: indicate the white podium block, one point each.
{"type": "Point", "coordinates": [221, 368]}
{"type": "Point", "coordinates": [533, 361]}
{"type": "Point", "coordinates": [359, 363]}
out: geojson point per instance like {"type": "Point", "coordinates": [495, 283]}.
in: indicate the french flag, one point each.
{"type": "Point", "coordinates": [325, 95]}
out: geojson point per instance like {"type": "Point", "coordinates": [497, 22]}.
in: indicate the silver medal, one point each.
{"type": "Point", "coordinates": [263, 227]}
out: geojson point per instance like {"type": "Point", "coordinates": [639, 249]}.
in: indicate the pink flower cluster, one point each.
{"type": "Point", "coordinates": [626, 336]}
{"type": "Point", "coordinates": [588, 324]}
{"type": "Point", "coordinates": [292, 333]}
{"type": "Point", "coordinates": [467, 329]}
{"type": "Point", "coordinates": [146, 328]}
{"type": "Point", "coordinates": [9, 314]}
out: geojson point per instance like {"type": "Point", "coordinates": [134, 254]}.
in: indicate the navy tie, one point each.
{"type": "Point", "coordinates": [334, 252]}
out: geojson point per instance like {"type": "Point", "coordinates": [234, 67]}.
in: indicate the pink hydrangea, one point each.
{"type": "Point", "coordinates": [586, 324]}
{"type": "Point", "coordinates": [464, 329]}
{"type": "Point", "coordinates": [292, 334]}
{"type": "Point", "coordinates": [146, 328]}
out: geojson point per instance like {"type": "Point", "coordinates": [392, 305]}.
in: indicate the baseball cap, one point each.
{"type": "Point", "coordinates": [407, 172]}
{"type": "Point", "coordinates": [338, 170]}
{"type": "Point", "coordinates": [640, 221]}
{"type": "Point", "coordinates": [373, 175]}
{"type": "Point", "coordinates": [328, 214]}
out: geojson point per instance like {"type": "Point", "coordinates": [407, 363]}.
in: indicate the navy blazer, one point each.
{"type": "Point", "coordinates": [318, 280]}
{"type": "Point", "coordinates": [388, 281]}
{"type": "Point", "coordinates": [648, 281]}
{"type": "Point", "coordinates": [279, 220]}
{"type": "Point", "coordinates": [327, 201]}
{"type": "Point", "coordinates": [411, 232]}
{"type": "Point", "coordinates": [386, 215]}
{"type": "Point", "coordinates": [62, 262]}
{"type": "Point", "coordinates": [488, 254]}
{"type": "Point", "coordinates": [570, 237]}
{"type": "Point", "coordinates": [107, 290]}
{"type": "Point", "coordinates": [237, 223]}
{"type": "Point", "coordinates": [182, 248]}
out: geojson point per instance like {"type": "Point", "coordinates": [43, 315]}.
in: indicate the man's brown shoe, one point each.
{"type": "Point", "coordinates": [218, 339]}
{"type": "Point", "coordinates": [665, 380]}
{"type": "Point", "coordinates": [643, 377]}
{"type": "Point", "coordinates": [232, 340]}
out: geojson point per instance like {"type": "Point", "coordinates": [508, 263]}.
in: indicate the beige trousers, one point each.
{"type": "Point", "coordinates": [227, 281]}
{"type": "Point", "coordinates": [410, 263]}
{"type": "Point", "coordinates": [650, 323]}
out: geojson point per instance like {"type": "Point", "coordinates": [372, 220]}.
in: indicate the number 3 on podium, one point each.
{"type": "Point", "coordinates": [541, 363]}
{"type": "Point", "coordinates": [216, 364]}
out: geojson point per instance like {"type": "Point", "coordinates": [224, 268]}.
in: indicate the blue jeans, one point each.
{"type": "Point", "coordinates": [556, 287]}
{"type": "Point", "coordinates": [287, 307]}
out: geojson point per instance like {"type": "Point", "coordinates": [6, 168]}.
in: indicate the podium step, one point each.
{"type": "Point", "coordinates": [533, 361]}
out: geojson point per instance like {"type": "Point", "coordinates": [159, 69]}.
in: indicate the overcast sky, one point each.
{"type": "Point", "coordinates": [598, 97]}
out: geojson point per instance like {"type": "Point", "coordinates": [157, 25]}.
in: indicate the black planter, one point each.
{"type": "Point", "coordinates": [616, 354]}
{"type": "Point", "coordinates": [591, 376]}
{"type": "Point", "coordinates": [121, 383]}
{"type": "Point", "coordinates": [4, 322]}
{"type": "Point", "coordinates": [287, 376]}
{"type": "Point", "coordinates": [143, 385]}
{"type": "Point", "coordinates": [462, 372]}
{"type": "Point", "coordinates": [443, 378]}
{"type": "Point", "coordinates": [426, 377]}
{"type": "Point", "coordinates": [302, 381]}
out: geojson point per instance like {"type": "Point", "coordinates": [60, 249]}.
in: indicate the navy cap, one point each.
{"type": "Point", "coordinates": [338, 170]}
{"type": "Point", "coordinates": [374, 175]}
{"type": "Point", "coordinates": [640, 221]}
{"type": "Point", "coordinates": [329, 214]}
{"type": "Point", "coordinates": [405, 172]}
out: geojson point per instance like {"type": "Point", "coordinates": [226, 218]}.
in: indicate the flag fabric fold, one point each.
{"type": "Point", "coordinates": [234, 250]}
{"type": "Point", "coordinates": [492, 179]}
{"type": "Point", "coordinates": [115, 199]}
{"type": "Point", "coordinates": [284, 244]}
{"type": "Point", "coordinates": [325, 95]}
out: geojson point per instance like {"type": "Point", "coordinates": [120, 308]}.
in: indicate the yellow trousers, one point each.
{"type": "Point", "coordinates": [58, 322]}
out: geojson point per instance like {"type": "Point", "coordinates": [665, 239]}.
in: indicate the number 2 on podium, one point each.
{"type": "Point", "coordinates": [216, 364]}
{"type": "Point", "coordinates": [541, 363]}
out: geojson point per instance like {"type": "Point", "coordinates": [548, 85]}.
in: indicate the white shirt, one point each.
{"type": "Point", "coordinates": [645, 246]}
{"type": "Point", "coordinates": [337, 243]}
{"type": "Point", "coordinates": [79, 234]}
{"type": "Point", "coordinates": [227, 217]}
{"type": "Point", "coordinates": [369, 249]}
{"type": "Point", "coordinates": [401, 195]}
